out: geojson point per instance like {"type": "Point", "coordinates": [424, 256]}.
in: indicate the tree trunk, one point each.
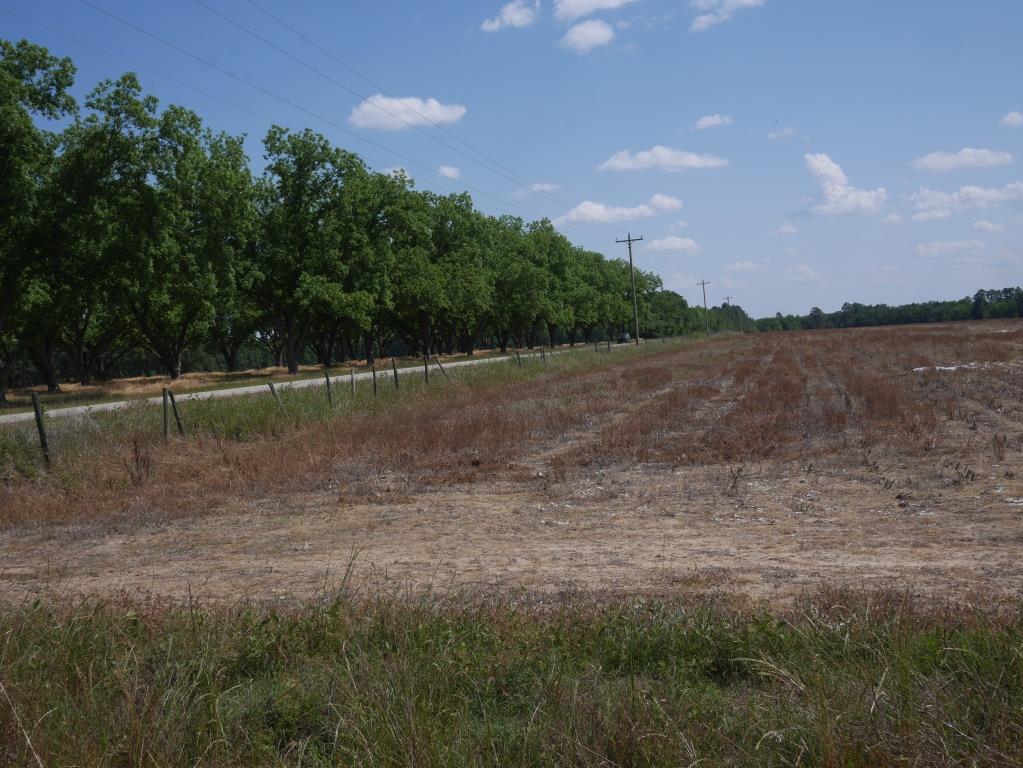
{"type": "Point", "coordinates": [367, 343]}
{"type": "Point", "coordinates": [291, 346]}
{"type": "Point", "coordinates": [42, 358]}
{"type": "Point", "coordinates": [172, 365]}
{"type": "Point", "coordinates": [551, 330]}
{"type": "Point", "coordinates": [291, 355]}
{"type": "Point", "coordinates": [230, 353]}
{"type": "Point", "coordinates": [426, 333]}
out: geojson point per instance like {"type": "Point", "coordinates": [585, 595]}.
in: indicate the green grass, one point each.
{"type": "Point", "coordinates": [20, 398]}
{"type": "Point", "coordinates": [248, 417]}
{"type": "Point", "coordinates": [877, 682]}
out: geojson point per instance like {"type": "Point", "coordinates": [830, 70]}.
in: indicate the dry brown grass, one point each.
{"type": "Point", "coordinates": [761, 465]}
{"type": "Point", "coordinates": [455, 433]}
{"type": "Point", "coordinates": [737, 400]}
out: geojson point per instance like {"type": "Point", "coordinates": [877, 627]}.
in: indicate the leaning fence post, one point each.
{"type": "Point", "coordinates": [518, 357]}
{"type": "Point", "coordinates": [330, 391]}
{"type": "Point", "coordinates": [277, 397]}
{"type": "Point", "coordinates": [177, 416]}
{"type": "Point", "coordinates": [394, 367]}
{"type": "Point", "coordinates": [43, 442]}
{"type": "Point", "coordinates": [166, 415]}
{"type": "Point", "coordinates": [374, 379]}
{"type": "Point", "coordinates": [437, 359]}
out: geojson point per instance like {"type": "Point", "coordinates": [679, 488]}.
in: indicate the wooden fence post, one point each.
{"type": "Point", "coordinates": [441, 368]}
{"type": "Point", "coordinates": [374, 379]}
{"type": "Point", "coordinates": [166, 415]}
{"type": "Point", "coordinates": [608, 343]}
{"type": "Point", "coordinates": [518, 357]}
{"type": "Point", "coordinates": [277, 397]}
{"type": "Point", "coordinates": [353, 382]}
{"type": "Point", "coordinates": [543, 355]}
{"type": "Point", "coordinates": [394, 367]}
{"type": "Point", "coordinates": [177, 416]}
{"type": "Point", "coordinates": [596, 351]}
{"type": "Point", "coordinates": [41, 427]}
{"type": "Point", "coordinates": [426, 368]}
{"type": "Point", "coordinates": [330, 391]}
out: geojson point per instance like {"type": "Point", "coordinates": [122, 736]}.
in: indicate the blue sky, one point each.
{"type": "Point", "coordinates": [793, 152]}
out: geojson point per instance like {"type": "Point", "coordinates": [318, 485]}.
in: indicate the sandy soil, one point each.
{"type": "Point", "coordinates": [943, 523]}
{"type": "Point", "coordinates": [780, 531]}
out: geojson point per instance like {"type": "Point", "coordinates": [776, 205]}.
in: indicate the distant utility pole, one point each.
{"type": "Point", "coordinates": [632, 278]}
{"type": "Point", "coordinates": [706, 317]}
{"type": "Point", "coordinates": [728, 312]}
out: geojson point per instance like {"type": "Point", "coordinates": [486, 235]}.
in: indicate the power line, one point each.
{"type": "Point", "coordinates": [521, 180]}
{"type": "Point", "coordinates": [299, 107]}
{"type": "Point", "coordinates": [266, 41]}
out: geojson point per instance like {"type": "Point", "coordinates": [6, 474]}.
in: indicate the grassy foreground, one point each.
{"type": "Point", "coordinates": [867, 681]}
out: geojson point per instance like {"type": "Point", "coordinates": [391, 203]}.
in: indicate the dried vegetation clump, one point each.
{"type": "Point", "coordinates": [837, 399]}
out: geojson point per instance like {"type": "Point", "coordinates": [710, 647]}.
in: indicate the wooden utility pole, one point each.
{"type": "Point", "coordinates": [706, 316]}
{"type": "Point", "coordinates": [632, 279]}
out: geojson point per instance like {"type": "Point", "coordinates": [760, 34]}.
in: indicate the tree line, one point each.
{"type": "Point", "coordinates": [134, 238]}
{"type": "Point", "coordinates": [994, 303]}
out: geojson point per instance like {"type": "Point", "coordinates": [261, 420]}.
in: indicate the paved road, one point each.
{"type": "Point", "coordinates": [86, 410]}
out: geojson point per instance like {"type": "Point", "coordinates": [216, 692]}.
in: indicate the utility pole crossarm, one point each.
{"type": "Point", "coordinates": [632, 279]}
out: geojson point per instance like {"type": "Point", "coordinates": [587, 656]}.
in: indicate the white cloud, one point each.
{"type": "Point", "coordinates": [389, 114]}
{"type": "Point", "coordinates": [955, 248]}
{"type": "Point", "coordinates": [587, 35]}
{"type": "Point", "coordinates": [714, 12]}
{"type": "Point", "coordinates": [518, 13]}
{"type": "Point", "coordinates": [666, 203]}
{"type": "Point", "coordinates": [569, 10]}
{"type": "Point", "coordinates": [449, 172]}
{"type": "Point", "coordinates": [931, 204]}
{"type": "Point", "coordinates": [988, 226]}
{"type": "Point", "coordinates": [712, 121]}
{"type": "Point", "coordinates": [674, 244]}
{"type": "Point", "coordinates": [781, 133]}
{"type": "Point", "coordinates": [838, 196]}
{"type": "Point", "coordinates": [544, 186]}
{"type": "Point", "coordinates": [599, 212]}
{"type": "Point", "coordinates": [803, 273]}
{"type": "Point", "coordinates": [892, 218]}
{"type": "Point", "coordinates": [786, 229]}
{"type": "Point", "coordinates": [968, 157]}
{"type": "Point", "coordinates": [540, 187]}
{"type": "Point", "coordinates": [742, 266]}
{"type": "Point", "coordinates": [1013, 120]}
{"type": "Point", "coordinates": [661, 158]}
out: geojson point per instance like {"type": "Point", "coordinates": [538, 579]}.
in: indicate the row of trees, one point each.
{"type": "Point", "coordinates": [1005, 302]}
{"type": "Point", "coordinates": [136, 237]}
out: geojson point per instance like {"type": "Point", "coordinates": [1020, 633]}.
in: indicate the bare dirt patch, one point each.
{"type": "Point", "coordinates": [764, 466]}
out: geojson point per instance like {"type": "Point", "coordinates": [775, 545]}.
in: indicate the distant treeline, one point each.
{"type": "Point", "coordinates": [1006, 302]}
{"type": "Point", "coordinates": [136, 240]}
